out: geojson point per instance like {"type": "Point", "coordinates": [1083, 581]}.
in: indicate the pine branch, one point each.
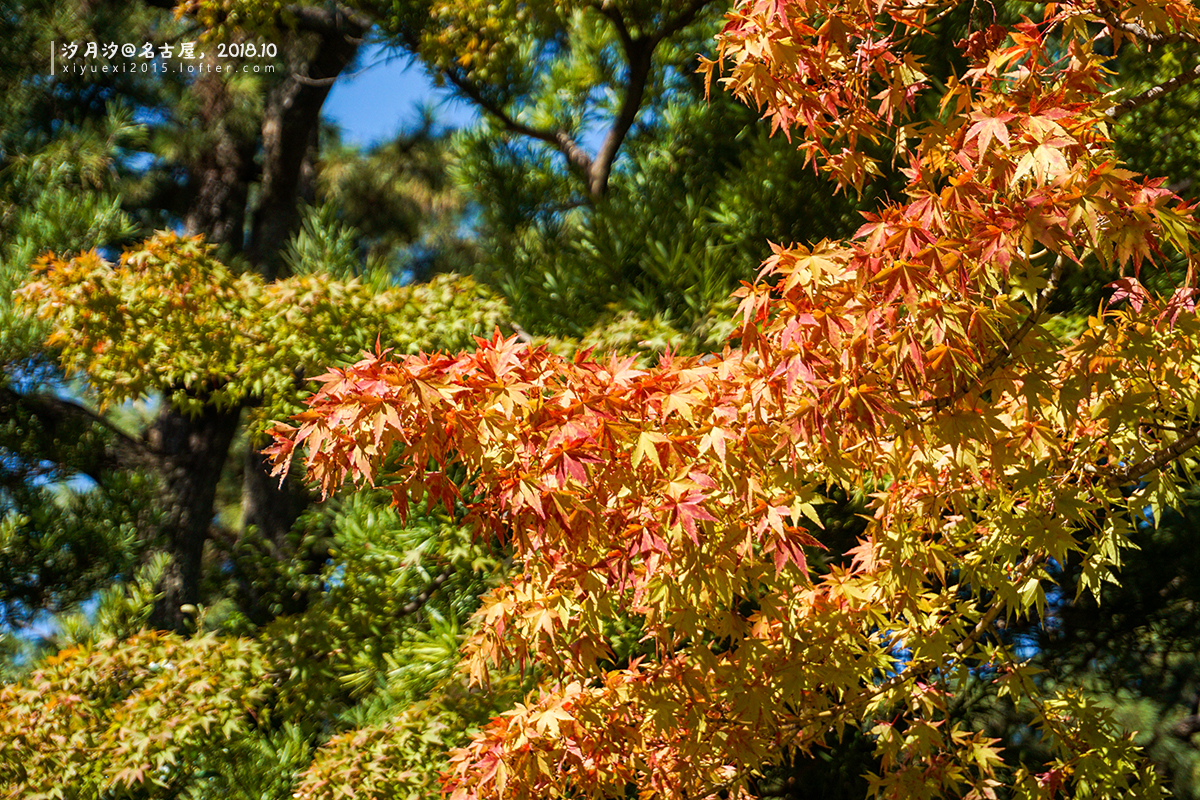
{"type": "Point", "coordinates": [332, 19]}
{"type": "Point", "coordinates": [640, 57]}
{"type": "Point", "coordinates": [686, 17]}
{"type": "Point", "coordinates": [560, 140]}
{"type": "Point", "coordinates": [61, 421]}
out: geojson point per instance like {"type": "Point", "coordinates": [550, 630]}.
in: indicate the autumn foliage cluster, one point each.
{"type": "Point", "coordinates": [133, 327]}
{"type": "Point", "coordinates": [916, 363]}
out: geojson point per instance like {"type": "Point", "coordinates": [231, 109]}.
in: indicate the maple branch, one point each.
{"type": "Point", "coordinates": [1023, 571]}
{"type": "Point", "coordinates": [1004, 356]}
{"type": "Point", "coordinates": [522, 334]}
{"type": "Point", "coordinates": [1162, 426]}
{"type": "Point", "coordinates": [1154, 92]}
{"type": "Point", "coordinates": [1039, 308]}
{"type": "Point", "coordinates": [1032, 695]}
{"type": "Point", "coordinates": [901, 41]}
{"type": "Point", "coordinates": [1155, 461]}
{"type": "Point", "coordinates": [1115, 23]}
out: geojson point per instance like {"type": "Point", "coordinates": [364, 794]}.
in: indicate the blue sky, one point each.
{"type": "Point", "coordinates": [382, 94]}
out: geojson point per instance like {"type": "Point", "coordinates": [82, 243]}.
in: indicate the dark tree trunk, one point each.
{"type": "Point", "coordinates": [289, 136]}
{"type": "Point", "coordinates": [221, 174]}
{"type": "Point", "coordinates": [188, 453]}
{"type": "Point", "coordinates": [269, 510]}
{"type": "Point", "coordinates": [290, 144]}
{"type": "Point", "coordinates": [192, 452]}
{"type": "Point", "coordinates": [289, 131]}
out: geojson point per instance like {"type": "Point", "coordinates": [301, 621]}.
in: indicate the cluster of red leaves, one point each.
{"type": "Point", "coordinates": [911, 362]}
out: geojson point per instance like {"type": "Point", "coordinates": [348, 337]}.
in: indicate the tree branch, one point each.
{"type": "Point", "coordinates": [560, 140]}
{"type": "Point", "coordinates": [330, 19]}
{"type": "Point", "coordinates": [418, 602]}
{"type": "Point", "coordinates": [640, 62]}
{"type": "Point", "coordinates": [289, 128]}
{"type": "Point", "coordinates": [1115, 23]}
{"type": "Point", "coordinates": [1004, 355]}
{"type": "Point", "coordinates": [1154, 92]}
{"type": "Point", "coordinates": [63, 422]}
{"type": "Point", "coordinates": [686, 17]}
{"type": "Point", "coordinates": [1155, 461]}
{"type": "Point", "coordinates": [614, 14]}
{"type": "Point", "coordinates": [639, 53]}
{"type": "Point", "coordinates": [1186, 727]}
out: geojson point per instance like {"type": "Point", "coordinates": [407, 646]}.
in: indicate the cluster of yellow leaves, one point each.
{"type": "Point", "coordinates": [98, 720]}
{"type": "Point", "coordinates": [169, 318]}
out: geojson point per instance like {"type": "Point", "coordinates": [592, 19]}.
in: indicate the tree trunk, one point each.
{"type": "Point", "coordinates": [290, 137]}
{"type": "Point", "coordinates": [290, 144]}
{"type": "Point", "coordinates": [188, 453]}
{"type": "Point", "coordinates": [269, 510]}
{"type": "Point", "coordinates": [221, 174]}
{"type": "Point", "coordinates": [192, 452]}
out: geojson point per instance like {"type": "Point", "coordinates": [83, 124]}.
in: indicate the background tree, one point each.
{"type": "Point", "coordinates": [119, 518]}
{"type": "Point", "coordinates": [203, 172]}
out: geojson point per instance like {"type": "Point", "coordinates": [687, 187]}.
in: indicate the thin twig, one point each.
{"type": "Point", "coordinates": [1005, 354]}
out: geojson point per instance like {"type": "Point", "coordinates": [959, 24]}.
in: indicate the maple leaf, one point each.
{"type": "Point", "coordinates": [686, 510]}
{"type": "Point", "coordinates": [1182, 300]}
{"type": "Point", "coordinates": [1129, 289]}
{"type": "Point", "coordinates": [988, 127]}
